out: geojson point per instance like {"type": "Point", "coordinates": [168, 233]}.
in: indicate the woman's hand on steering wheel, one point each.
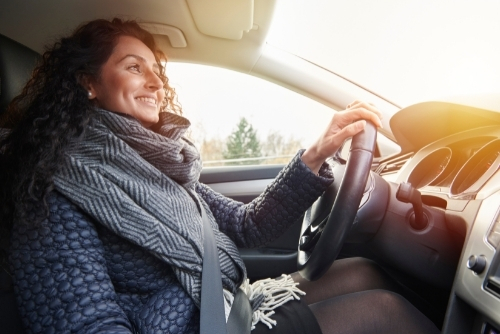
{"type": "Point", "coordinates": [344, 124]}
{"type": "Point", "coordinates": [329, 220]}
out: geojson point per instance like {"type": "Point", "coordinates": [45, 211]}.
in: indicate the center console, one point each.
{"type": "Point", "coordinates": [475, 302]}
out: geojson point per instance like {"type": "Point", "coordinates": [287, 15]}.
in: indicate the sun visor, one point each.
{"type": "Point", "coordinates": [175, 35]}
{"type": "Point", "coordinates": [222, 18]}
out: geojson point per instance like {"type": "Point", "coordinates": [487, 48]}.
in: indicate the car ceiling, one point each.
{"type": "Point", "coordinates": [55, 18]}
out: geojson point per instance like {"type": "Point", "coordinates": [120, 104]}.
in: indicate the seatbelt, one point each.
{"type": "Point", "coordinates": [240, 317]}
{"type": "Point", "coordinates": [212, 315]}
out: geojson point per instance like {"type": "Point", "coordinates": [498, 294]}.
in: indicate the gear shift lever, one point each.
{"type": "Point", "coordinates": [407, 194]}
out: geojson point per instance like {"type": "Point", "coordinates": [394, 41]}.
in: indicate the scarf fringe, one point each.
{"type": "Point", "coordinates": [265, 296]}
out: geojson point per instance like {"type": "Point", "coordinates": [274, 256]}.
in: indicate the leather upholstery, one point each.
{"type": "Point", "coordinates": [16, 64]}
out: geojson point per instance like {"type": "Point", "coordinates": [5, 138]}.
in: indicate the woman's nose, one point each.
{"type": "Point", "coordinates": [154, 81]}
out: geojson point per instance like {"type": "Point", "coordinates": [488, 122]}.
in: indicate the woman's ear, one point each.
{"type": "Point", "coordinates": [89, 86]}
{"type": "Point", "coordinates": [91, 94]}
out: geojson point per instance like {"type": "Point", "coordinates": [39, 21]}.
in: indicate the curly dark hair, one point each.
{"type": "Point", "coordinates": [53, 109]}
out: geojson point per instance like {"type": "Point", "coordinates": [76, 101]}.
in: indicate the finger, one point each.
{"type": "Point", "coordinates": [369, 115]}
{"type": "Point", "coordinates": [347, 117]}
{"type": "Point", "coordinates": [369, 106]}
{"type": "Point", "coordinates": [350, 130]}
{"type": "Point", "coordinates": [353, 104]}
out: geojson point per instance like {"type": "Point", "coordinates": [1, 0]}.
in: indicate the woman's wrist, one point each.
{"type": "Point", "coordinates": [312, 159]}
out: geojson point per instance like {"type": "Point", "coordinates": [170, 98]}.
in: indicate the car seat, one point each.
{"type": "Point", "coordinates": [16, 64]}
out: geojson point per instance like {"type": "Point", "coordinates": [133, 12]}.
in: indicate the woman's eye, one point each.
{"type": "Point", "coordinates": [135, 68]}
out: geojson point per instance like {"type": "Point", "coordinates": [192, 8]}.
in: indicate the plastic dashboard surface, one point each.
{"type": "Point", "coordinates": [470, 286]}
{"type": "Point", "coordinates": [463, 169]}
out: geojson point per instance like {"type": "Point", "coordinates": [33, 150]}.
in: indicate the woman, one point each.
{"type": "Point", "coordinates": [103, 194]}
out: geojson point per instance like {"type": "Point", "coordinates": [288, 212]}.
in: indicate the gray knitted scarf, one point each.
{"type": "Point", "coordinates": [140, 183]}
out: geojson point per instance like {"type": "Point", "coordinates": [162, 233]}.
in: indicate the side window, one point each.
{"type": "Point", "coordinates": [238, 119]}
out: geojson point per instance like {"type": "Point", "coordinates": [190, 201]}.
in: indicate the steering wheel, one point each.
{"type": "Point", "coordinates": [327, 222]}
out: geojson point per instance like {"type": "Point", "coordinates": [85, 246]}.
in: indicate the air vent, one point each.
{"type": "Point", "coordinates": [493, 286]}
{"type": "Point", "coordinates": [392, 165]}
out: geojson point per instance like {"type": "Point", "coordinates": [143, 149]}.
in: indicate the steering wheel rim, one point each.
{"type": "Point", "coordinates": [312, 264]}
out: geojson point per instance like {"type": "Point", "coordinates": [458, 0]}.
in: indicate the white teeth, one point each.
{"type": "Point", "coordinates": [147, 100]}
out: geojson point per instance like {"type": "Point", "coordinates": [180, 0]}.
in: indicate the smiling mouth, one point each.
{"type": "Point", "coordinates": [148, 100]}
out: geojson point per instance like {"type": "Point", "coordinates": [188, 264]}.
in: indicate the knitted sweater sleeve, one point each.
{"type": "Point", "coordinates": [265, 218]}
{"type": "Point", "coordinates": [60, 276]}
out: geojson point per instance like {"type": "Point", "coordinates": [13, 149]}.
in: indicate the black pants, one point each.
{"type": "Point", "coordinates": [354, 296]}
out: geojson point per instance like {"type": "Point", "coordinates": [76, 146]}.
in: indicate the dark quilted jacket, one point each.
{"type": "Point", "coordinates": [73, 275]}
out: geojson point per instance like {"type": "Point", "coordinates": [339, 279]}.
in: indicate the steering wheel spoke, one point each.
{"type": "Point", "coordinates": [311, 236]}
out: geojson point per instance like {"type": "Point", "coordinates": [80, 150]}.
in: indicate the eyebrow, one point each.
{"type": "Point", "coordinates": [139, 58]}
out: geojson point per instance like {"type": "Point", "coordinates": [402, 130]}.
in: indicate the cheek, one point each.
{"type": "Point", "coordinates": [108, 91]}
{"type": "Point", "coordinates": [120, 85]}
{"type": "Point", "coordinates": [162, 97]}
{"type": "Point", "coordinates": [118, 81]}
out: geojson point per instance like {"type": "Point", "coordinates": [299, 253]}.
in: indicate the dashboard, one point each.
{"type": "Point", "coordinates": [458, 171]}
{"type": "Point", "coordinates": [458, 165]}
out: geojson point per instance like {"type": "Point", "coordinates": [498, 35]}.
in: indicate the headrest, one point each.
{"type": "Point", "coordinates": [16, 64]}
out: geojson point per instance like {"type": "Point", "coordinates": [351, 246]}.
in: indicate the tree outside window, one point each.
{"type": "Point", "coordinates": [242, 146]}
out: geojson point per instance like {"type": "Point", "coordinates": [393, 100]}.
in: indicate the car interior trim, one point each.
{"type": "Point", "coordinates": [241, 188]}
{"type": "Point", "coordinates": [175, 35]}
{"type": "Point", "coordinates": [469, 285]}
{"type": "Point", "coordinates": [211, 17]}
{"type": "Point", "coordinates": [295, 73]}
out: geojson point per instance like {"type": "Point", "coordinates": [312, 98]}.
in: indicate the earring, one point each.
{"type": "Point", "coordinates": [90, 94]}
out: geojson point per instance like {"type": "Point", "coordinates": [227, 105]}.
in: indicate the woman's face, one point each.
{"type": "Point", "coordinates": [129, 82]}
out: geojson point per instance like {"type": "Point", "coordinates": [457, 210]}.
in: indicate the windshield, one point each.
{"type": "Point", "coordinates": [405, 51]}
